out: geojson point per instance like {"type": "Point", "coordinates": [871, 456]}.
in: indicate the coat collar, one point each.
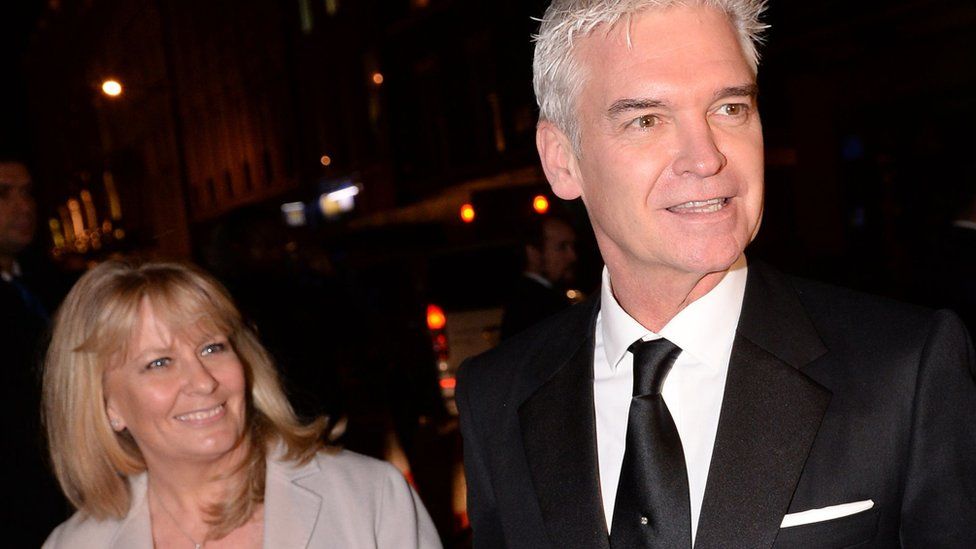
{"type": "Point", "coordinates": [290, 510]}
{"type": "Point", "coordinates": [770, 415]}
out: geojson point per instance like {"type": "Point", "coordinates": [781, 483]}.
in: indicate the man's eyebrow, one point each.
{"type": "Point", "coordinates": [625, 105]}
{"type": "Point", "coordinates": [745, 90]}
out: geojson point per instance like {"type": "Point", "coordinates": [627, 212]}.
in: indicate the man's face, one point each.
{"type": "Point", "coordinates": [558, 255]}
{"type": "Point", "coordinates": [16, 208]}
{"type": "Point", "coordinates": [671, 157]}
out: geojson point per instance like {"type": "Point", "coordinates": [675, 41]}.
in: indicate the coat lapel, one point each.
{"type": "Point", "coordinates": [559, 436]}
{"type": "Point", "coordinates": [291, 511]}
{"type": "Point", "coordinates": [135, 531]}
{"type": "Point", "coordinates": [770, 416]}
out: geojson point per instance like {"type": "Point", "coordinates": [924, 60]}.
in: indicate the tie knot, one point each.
{"type": "Point", "coordinates": [652, 362]}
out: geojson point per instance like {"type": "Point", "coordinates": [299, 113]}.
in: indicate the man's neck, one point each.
{"type": "Point", "coordinates": [653, 298]}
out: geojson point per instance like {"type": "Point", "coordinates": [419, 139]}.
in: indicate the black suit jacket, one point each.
{"type": "Point", "coordinates": [832, 397]}
{"type": "Point", "coordinates": [24, 465]}
{"type": "Point", "coordinates": [530, 302]}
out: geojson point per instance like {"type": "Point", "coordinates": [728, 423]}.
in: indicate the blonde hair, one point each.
{"type": "Point", "coordinates": [558, 77]}
{"type": "Point", "coordinates": [91, 331]}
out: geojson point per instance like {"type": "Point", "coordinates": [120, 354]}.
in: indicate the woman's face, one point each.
{"type": "Point", "coordinates": [181, 399]}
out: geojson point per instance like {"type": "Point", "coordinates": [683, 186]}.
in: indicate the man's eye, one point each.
{"type": "Point", "coordinates": [644, 122]}
{"type": "Point", "coordinates": [733, 109]}
{"type": "Point", "coordinates": [213, 348]}
{"type": "Point", "coordinates": [158, 363]}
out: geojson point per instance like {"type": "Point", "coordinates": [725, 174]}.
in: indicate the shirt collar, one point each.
{"type": "Point", "coordinates": [704, 329]}
{"type": "Point", "coordinates": [538, 278]}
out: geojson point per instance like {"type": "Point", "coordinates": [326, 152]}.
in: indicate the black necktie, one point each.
{"type": "Point", "coordinates": [652, 507]}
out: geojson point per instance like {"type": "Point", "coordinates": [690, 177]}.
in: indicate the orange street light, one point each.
{"type": "Point", "coordinates": [540, 204]}
{"type": "Point", "coordinates": [467, 213]}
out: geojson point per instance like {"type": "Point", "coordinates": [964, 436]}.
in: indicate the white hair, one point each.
{"type": "Point", "coordinates": [558, 76]}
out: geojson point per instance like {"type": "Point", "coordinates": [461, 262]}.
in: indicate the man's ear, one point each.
{"type": "Point", "coordinates": [558, 161]}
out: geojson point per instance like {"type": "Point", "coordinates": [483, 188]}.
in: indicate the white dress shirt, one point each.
{"type": "Point", "coordinates": [693, 390]}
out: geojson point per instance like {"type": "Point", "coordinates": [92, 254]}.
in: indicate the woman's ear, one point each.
{"type": "Point", "coordinates": [114, 419]}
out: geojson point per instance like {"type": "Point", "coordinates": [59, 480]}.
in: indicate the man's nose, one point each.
{"type": "Point", "coordinates": [698, 153]}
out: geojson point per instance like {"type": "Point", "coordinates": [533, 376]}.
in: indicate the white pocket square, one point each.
{"type": "Point", "coordinates": [826, 513]}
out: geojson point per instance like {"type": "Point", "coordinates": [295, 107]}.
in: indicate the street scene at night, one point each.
{"type": "Point", "coordinates": [246, 243]}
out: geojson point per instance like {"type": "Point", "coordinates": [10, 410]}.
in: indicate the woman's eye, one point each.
{"type": "Point", "coordinates": [213, 348]}
{"type": "Point", "coordinates": [644, 122]}
{"type": "Point", "coordinates": [158, 363]}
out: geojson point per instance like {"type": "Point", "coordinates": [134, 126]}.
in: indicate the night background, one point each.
{"type": "Point", "coordinates": [237, 118]}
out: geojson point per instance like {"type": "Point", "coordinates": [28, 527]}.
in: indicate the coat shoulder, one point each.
{"type": "Point", "coordinates": [840, 310]}
{"type": "Point", "coordinates": [336, 470]}
{"type": "Point", "coordinates": [82, 531]}
{"type": "Point", "coordinates": [508, 372]}
{"type": "Point", "coordinates": [564, 329]}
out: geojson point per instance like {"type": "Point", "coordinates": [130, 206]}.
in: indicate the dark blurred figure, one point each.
{"type": "Point", "coordinates": [30, 290]}
{"type": "Point", "coordinates": [550, 260]}
{"type": "Point", "coordinates": [949, 278]}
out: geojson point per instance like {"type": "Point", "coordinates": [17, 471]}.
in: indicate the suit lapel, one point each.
{"type": "Point", "coordinates": [559, 436]}
{"type": "Point", "coordinates": [770, 416]}
{"type": "Point", "coordinates": [290, 510]}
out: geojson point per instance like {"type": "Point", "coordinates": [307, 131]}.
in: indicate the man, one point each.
{"type": "Point", "coordinates": [766, 411]}
{"type": "Point", "coordinates": [550, 256]}
{"type": "Point", "coordinates": [27, 298]}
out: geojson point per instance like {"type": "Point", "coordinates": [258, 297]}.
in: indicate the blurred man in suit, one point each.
{"type": "Point", "coordinates": [28, 296]}
{"type": "Point", "coordinates": [702, 399]}
{"type": "Point", "coordinates": [550, 257]}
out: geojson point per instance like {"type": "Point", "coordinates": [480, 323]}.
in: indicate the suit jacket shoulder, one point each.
{"type": "Point", "coordinates": [527, 359]}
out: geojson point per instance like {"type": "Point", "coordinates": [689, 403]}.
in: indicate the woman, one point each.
{"type": "Point", "coordinates": [168, 428]}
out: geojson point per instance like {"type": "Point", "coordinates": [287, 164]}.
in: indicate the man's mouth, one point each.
{"type": "Point", "coordinates": [700, 206]}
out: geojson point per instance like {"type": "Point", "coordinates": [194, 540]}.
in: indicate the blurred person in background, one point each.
{"type": "Point", "coordinates": [29, 291]}
{"type": "Point", "coordinates": [168, 427]}
{"type": "Point", "coordinates": [550, 260]}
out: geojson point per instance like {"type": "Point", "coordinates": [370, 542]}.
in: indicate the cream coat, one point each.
{"type": "Point", "coordinates": [342, 500]}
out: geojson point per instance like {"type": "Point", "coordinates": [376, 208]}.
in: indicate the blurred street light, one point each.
{"type": "Point", "coordinates": [112, 87]}
{"type": "Point", "coordinates": [467, 213]}
{"type": "Point", "coordinates": [540, 204]}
